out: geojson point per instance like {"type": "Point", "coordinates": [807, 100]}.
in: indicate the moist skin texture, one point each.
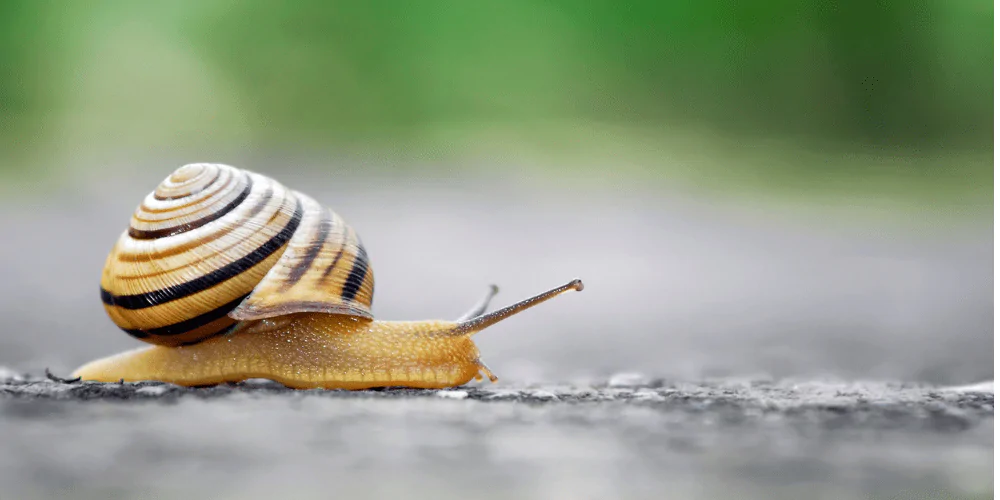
{"type": "Point", "coordinates": [308, 350]}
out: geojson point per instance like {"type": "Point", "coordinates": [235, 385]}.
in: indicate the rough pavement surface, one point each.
{"type": "Point", "coordinates": [628, 437]}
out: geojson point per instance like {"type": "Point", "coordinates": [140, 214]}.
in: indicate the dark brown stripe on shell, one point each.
{"type": "Point", "coordinates": [188, 324]}
{"type": "Point", "coordinates": [139, 334]}
{"type": "Point", "coordinates": [340, 252]}
{"type": "Point", "coordinates": [216, 334]}
{"type": "Point", "coordinates": [357, 275]}
{"type": "Point", "coordinates": [218, 172]}
{"type": "Point", "coordinates": [140, 257]}
{"type": "Point", "coordinates": [224, 186]}
{"type": "Point", "coordinates": [300, 270]}
{"type": "Point", "coordinates": [183, 228]}
{"type": "Point", "coordinates": [164, 295]}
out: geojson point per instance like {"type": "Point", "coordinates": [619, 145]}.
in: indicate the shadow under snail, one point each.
{"type": "Point", "coordinates": [234, 276]}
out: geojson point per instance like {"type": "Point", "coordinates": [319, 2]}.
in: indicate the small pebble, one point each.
{"type": "Point", "coordinates": [985, 387]}
{"type": "Point", "coordinates": [8, 374]}
{"type": "Point", "coordinates": [648, 395]}
{"type": "Point", "coordinates": [152, 390]}
{"type": "Point", "coordinates": [629, 379]}
{"type": "Point", "coordinates": [502, 394]}
{"type": "Point", "coordinates": [260, 382]}
{"type": "Point", "coordinates": [542, 394]}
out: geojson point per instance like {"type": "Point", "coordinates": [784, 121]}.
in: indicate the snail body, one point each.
{"type": "Point", "coordinates": [233, 276]}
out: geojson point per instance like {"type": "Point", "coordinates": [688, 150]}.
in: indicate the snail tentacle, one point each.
{"type": "Point", "coordinates": [481, 306]}
{"type": "Point", "coordinates": [486, 371]}
{"type": "Point", "coordinates": [479, 323]}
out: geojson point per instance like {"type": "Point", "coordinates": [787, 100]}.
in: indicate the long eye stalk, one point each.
{"type": "Point", "coordinates": [484, 321]}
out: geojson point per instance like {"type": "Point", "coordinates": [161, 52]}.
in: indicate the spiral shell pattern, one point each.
{"type": "Point", "coordinates": [214, 245]}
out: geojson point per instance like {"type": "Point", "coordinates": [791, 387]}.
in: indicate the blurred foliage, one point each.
{"type": "Point", "coordinates": [903, 78]}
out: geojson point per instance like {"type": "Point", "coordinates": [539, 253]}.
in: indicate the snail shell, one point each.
{"type": "Point", "coordinates": [214, 245]}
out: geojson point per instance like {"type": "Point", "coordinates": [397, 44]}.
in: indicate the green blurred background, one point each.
{"type": "Point", "coordinates": [637, 136]}
{"type": "Point", "coordinates": [858, 100]}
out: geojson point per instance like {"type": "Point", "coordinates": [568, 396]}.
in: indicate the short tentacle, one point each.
{"type": "Point", "coordinates": [481, 306]}
{"type": "Point", "coordinates": [486, 371]}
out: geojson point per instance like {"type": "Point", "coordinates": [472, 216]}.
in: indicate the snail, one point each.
{"type": "Point", "coordinates": [232, 276]}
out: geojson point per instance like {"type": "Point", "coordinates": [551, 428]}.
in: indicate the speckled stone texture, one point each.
{"type": "Point", "coordinates": [629, 436]}
{"type": "Point", "coordinates": [890, 405]}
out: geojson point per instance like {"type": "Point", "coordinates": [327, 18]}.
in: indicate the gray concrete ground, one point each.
{"type": "Point", "coordinates": [627, 437]}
